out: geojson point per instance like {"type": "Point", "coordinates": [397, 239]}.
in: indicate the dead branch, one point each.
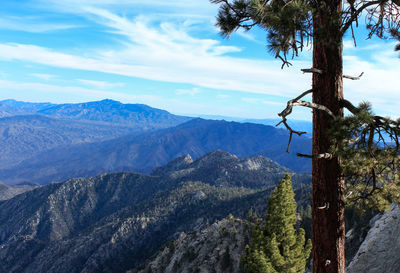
{"type": "Point", "coordinates": [353, 78]}
{"type": "Point", "coordinates": [312, 70]}
{"type": "Point", "coordinates": [287, 111]}
{"type": "Point", "coordinates": [313, 105]}
{"type": "Point", "coordinates": [319, 156]}
{"type": "Point", "coordinates": [297, 102]}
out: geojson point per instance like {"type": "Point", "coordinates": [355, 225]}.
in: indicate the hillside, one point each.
{"type": "Point", "coordinates": [14, 108]}
{"type": "Point", "coordinates": [144, 152]}
{"type": "Point", "coordinates": [26, 129]}
{"type": "Point", "coordinates": [222, 169]}
{"type": "Point", "coordinates": [8, 192]}
{"type": "Point", "coordinates": [126, 217]}
{"type": "Point", "coordinates": [22, 137]}
{"type": "Point", "coordinates": [217, 248]}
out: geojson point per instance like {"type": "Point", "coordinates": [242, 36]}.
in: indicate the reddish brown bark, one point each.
{"type": "Point", "coordinates": [327, 178]}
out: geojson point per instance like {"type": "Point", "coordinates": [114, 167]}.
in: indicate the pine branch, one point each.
{"type": "Point", "coordinates": [356, 13]}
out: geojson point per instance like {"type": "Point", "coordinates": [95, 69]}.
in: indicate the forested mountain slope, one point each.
{"type": "Point", "coordinates": [112, 222]}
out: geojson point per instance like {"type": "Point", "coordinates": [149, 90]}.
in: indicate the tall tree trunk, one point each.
{"type": "Point", "coordinates": [327, 178]}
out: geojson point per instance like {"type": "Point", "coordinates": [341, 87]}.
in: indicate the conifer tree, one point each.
{"type": "Point", "coordinates": [291, 25]}
{"type": "Point", "coordinates": [277, 247]}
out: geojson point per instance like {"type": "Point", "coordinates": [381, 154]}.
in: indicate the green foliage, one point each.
{"type": "Point", "coordinates": [396, 34]}
{"type": "Point", "coordinates": [369, 148]}
{"type": "Point", "coordinates": [284, 22]}
{"type": "Point", "coordinates": [289, 23]}
{"type": "Point", "coordinates": [277, 247]}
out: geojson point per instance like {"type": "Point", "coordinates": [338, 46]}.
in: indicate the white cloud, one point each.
{"type": "Point", "coordinates": [190, 92]}
{"type": "Point", "coordinates": [275, 103]}
{"type": "Point", "coordinates": [100, 84]}
{"type": "Point", "coordinates": [251, 100]}
{"type": "Point", "coordinates": [380, 83]}
{"type": "Point", "coordinates": [45, 77]}
{"type": "Point", "coordinates": [222, 96]}
{"type": "Point", "coordinates": [169, 58]}
{"type": "Point", "coordinates": [33, 25]}
{"type": "Point", "coordinates": [168, 52]}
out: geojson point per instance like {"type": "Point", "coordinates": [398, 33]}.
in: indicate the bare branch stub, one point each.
{"type": "Point", "coordinates": [319, 156]}
{"type": "Point", "coordinates": [312, 70]}
{"type": "Point", "coordinates": [353, 78]}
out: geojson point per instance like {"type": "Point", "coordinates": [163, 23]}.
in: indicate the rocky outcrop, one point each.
{"type": "Point", "coordinates": [379, 253]}
{"type": "Point", "coordinates": [223, 169]}
{"type": "Point", "coordinates": [217, 248]}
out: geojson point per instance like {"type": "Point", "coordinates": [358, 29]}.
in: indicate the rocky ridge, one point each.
{"type": "Point", "coordinates": [223, 169]}
{"type": "Point", "coordinates": [379, 251]}
{"type": "Point", "coordinates": [112, 222]}
{"type": "Point", "coordinates": [8, 192]}
{"type": "Point", "coordinates": [218, 248]}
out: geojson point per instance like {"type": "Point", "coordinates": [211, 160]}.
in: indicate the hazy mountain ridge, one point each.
{"type": "Point", "coordinates": [8, 192]}
{"type": "Point", "coordinates": [142, 153]}
{"type": "Point", "coordinates": [114, 112]}
{"type": "Point", "coordinates": [13, 108]}
{"type": "Point", "coordinates": [26, 129]}
{"type": "Point", "coordinates": [109, 112]}
{"type": "Point", "coordinates": [22, 137]}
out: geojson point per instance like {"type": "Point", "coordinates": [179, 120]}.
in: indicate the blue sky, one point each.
{"type": "Point", "coordinates": [169, 55]}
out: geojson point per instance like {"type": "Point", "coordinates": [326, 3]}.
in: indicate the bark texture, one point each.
{"type": "Point", "coordinates": [327, 178]}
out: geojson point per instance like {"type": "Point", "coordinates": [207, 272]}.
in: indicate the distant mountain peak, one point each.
{"type": "Point", "coordinates": [223, 169]}
{"type": "Point", "coordinates": [178, 163]}
{"type": "Point", "coordinates": [218, 155]}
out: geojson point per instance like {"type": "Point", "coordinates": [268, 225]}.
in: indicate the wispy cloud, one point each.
{"type": "Point", "coordinates": [45, 77]}
{"type": "Point", "coordinates": [222, 96]}
{"type": "Point", "coordinates": [169, 52]}
{"type": "Point", "coordinates": [275, 103]}
{"type": "Point", "coordinates": [100, 84]}
{"type": "Point", "coordinates": [251, 100]}
{"type": "Point", "coordinates": [380, 83]}
{"type": "Point", "coordinates": [190, 92]}
{"type": "Point", "coordinates": [33, 25]}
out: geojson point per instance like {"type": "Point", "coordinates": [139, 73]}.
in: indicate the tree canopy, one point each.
{"type": "Point", "coordinates": [277, 246]}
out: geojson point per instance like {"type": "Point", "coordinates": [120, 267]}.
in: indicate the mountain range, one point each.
{"type": "Point", "coordinates": [181, 216]}
{"type": "Point", "coordinates": [25, 136]}
{"type": "Point", "coordinates": [143, 152]}
{"type": "Point", "coordinates": [110, 112]}
{"type": "Point", "coordinates": [114, 222]}
{"type": "Point", "coordinates": [43, 142]}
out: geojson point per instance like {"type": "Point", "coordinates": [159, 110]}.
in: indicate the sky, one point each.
{"type": "Point", "coordinates": [169, 55]}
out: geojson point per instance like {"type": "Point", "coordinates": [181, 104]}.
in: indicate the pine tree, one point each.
{"type": "Point", "coordinates": [290, 26]}
{"type": "Point", "coordinates": [277, 247]}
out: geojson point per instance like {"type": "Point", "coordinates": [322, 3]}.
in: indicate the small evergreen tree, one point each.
{"type": "Point", "coordinates": [277, 247]}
